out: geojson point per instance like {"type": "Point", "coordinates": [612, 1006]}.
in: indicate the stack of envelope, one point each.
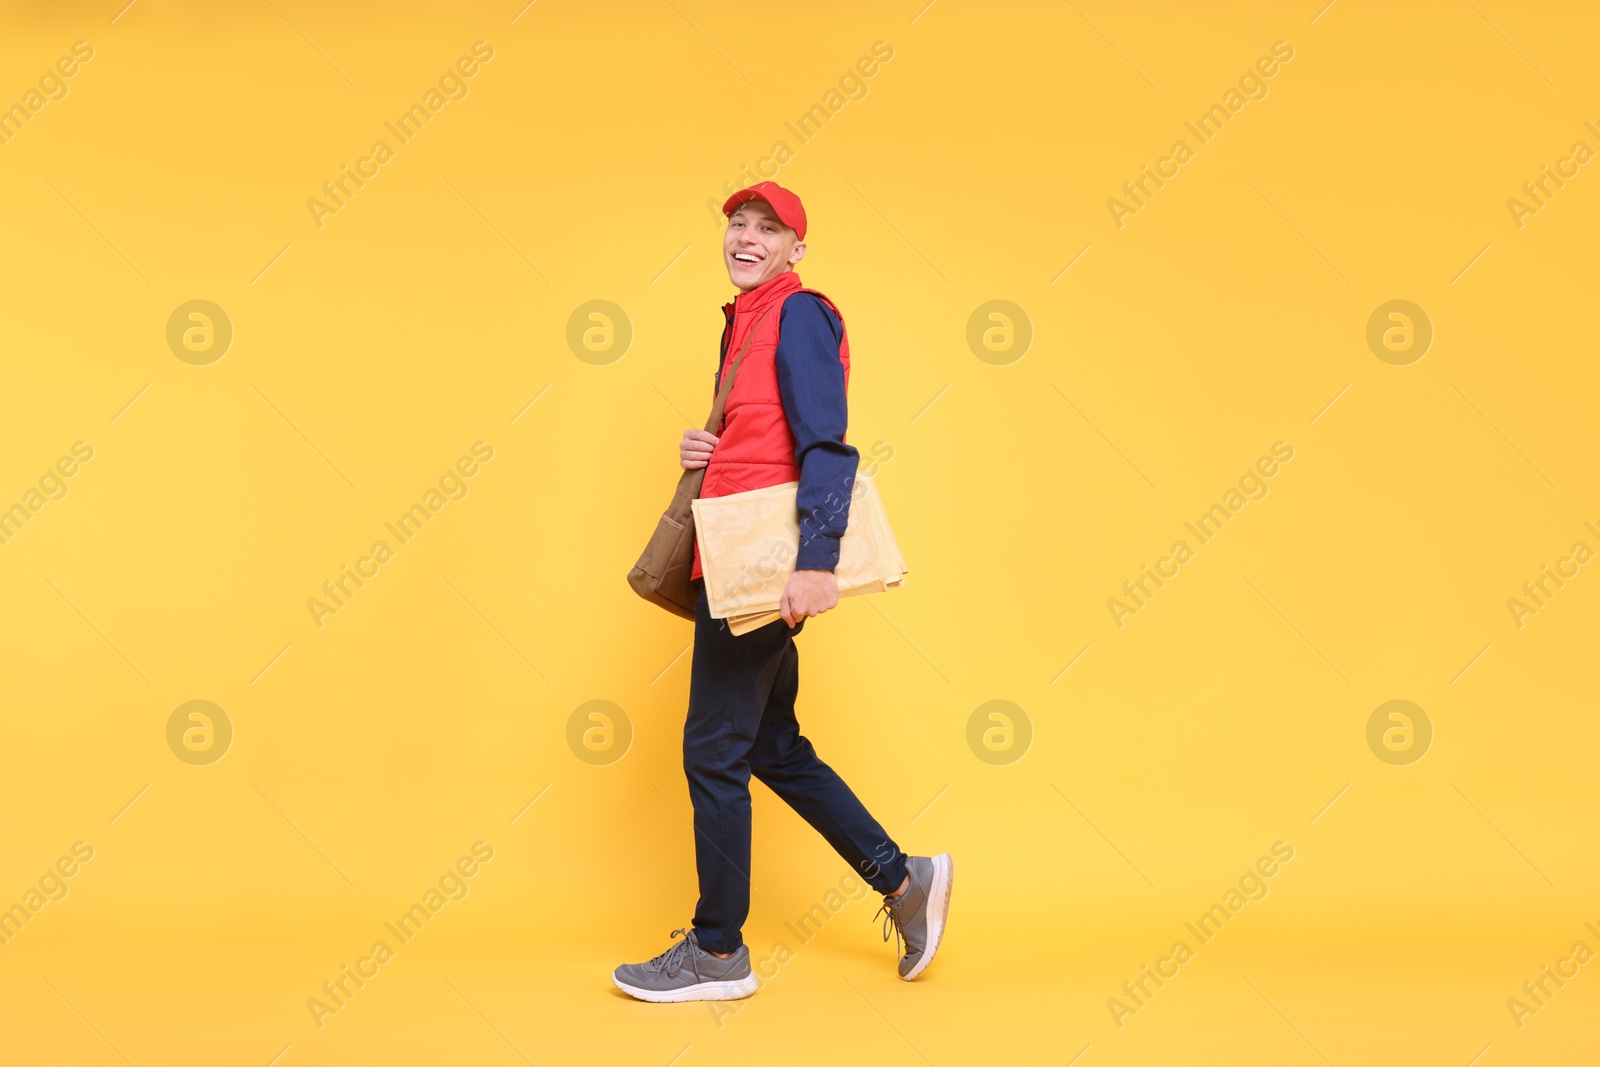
{"type": "Point", "coordinates": [749, 541]}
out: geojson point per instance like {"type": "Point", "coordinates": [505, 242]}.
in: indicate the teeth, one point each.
{"type": "Point", "coordinates": [744, 257]}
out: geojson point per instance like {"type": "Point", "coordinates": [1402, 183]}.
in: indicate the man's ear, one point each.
{"type": "Point", "coordinates": [798, 254]}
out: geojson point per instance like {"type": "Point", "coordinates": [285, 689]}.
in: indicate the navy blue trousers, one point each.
{"type": "Point", "coordinates": [741, 722]}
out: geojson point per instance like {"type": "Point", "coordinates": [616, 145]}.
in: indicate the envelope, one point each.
{"type": "Point", "coordinates": [749, 541]}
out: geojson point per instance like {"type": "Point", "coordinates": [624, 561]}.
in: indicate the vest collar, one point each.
{"type": "Point", "coordinates": [768, 294]}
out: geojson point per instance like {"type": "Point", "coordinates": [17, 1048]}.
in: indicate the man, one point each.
{"type": "Point", "coordinates": [784, 421]}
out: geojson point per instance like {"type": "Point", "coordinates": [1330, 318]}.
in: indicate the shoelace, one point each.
{"type": "Point", "coordinates": [891, 917]}
{"type": "Point", "coordinates": [672, 960]}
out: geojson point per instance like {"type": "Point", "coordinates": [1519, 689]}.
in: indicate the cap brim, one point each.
{"type": "Point", "coordinates": [744, 196]}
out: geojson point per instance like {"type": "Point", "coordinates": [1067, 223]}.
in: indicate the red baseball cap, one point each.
{"type": "Point", "coordinates": [785, 204]}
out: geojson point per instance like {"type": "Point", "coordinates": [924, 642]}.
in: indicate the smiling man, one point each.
{"type": "Point", "coordinates": [784, 422]}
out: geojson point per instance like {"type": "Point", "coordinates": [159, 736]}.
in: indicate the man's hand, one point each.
{"type": "Point", "coordinates": [808, 593]}
{"type": "Point", "coordinates": [695, 449]}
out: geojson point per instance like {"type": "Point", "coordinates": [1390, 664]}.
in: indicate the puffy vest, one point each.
{"type": "Point", "coordinates": [755, 447]}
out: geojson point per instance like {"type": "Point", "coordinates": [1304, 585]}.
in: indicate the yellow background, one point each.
{"type": "Point", "coordinates": [370, 353]}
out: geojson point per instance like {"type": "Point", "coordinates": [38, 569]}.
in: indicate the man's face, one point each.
{"type": "Point", "coordinates": [757, 247]}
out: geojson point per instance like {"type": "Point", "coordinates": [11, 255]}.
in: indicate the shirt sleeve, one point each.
{"type": "Point", "coordinates": [811, 384]}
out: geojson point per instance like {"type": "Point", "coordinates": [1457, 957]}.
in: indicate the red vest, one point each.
{"type": "Point", "coordinates": [755, 448]}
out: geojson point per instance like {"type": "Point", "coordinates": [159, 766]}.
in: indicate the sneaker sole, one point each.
{"type": "Point", "coordinates": [944, 879]}
{"type": "Point", "coordinates": [732, 989]}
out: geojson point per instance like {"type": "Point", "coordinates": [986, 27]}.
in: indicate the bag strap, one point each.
{"type": "Point", "coordinates": [714, 424]}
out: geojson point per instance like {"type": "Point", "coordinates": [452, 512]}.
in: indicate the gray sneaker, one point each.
{"type": "Point", "coordinates": [919, 914]}
{"type": "Point", "coordinates": [687, 972]}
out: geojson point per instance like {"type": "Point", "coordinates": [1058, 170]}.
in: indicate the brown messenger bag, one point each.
{"type": "Point", "coordinates": [662, 574]}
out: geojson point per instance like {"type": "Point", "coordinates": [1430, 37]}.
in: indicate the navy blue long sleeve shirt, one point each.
{"type": "Point", "coordinates": [811, 385]}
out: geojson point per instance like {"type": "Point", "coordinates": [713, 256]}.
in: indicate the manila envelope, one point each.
{"type": "Point", "coordinates": [748, 543]}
